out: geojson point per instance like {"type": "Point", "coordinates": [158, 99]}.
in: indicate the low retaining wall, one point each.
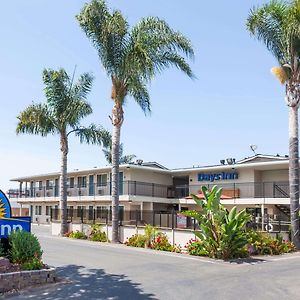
{"type": "Point", "coordinates": [22, 279]}
{"type": "Point", "coordinates": [176, 236]}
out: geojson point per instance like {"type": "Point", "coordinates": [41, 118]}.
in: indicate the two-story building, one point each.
{"type": "Point", "coordinates": [258, 183]}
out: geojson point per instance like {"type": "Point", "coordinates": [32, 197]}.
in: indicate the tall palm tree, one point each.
{"type": "Point", "coordinates": [277, 25]}
{"type": "Point", "coordinates": [65, 107]}
{"type": "Point", "coordinates": [131, 57]}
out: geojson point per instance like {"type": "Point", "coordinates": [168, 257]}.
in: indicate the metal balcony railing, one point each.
{"type": "Point", "coordinates": [137, 188]}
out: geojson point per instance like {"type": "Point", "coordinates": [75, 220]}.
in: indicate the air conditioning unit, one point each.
{"type": "Point", "coordinates": [48, 194]}
{"type": "Point", "coordinates": [37, 194]}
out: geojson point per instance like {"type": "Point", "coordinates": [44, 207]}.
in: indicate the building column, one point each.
{"type": "Point", "coordinates": [142, 208]}
{"type": "Point", "coordinates": [262, 216]}
{"type": "Point", "coordinates": [20, 189]}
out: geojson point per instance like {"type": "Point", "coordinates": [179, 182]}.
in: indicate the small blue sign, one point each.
{"type": "Point", "coordinates": [8, 223]}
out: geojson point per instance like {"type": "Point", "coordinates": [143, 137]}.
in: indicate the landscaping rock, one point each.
{"type": "Point", "coordinates": [4, 264]}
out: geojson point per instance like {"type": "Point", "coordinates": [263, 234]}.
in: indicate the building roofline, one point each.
{"type": "Point", "coordinates": [275, 157]}
{"type": "Point", "coordinates": [233, 166]}
{"type": "Point", "coordinates": [91, 171]}
{"type": "Point", "coordinates": [280, 161]}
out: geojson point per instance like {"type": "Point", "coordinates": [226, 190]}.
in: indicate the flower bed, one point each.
{"type": "Point", "coordinates": [95, 234]}
{"type": "Point", "coordinates": [21, 263]}
{"type": "Point", "coordinates": [152, 239]}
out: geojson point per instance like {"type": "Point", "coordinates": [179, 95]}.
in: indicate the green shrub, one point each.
{"type": "Point", "coordinates": [196, 247]}
{"type": "Point", "coordinates": [162, 243]}
{"type": "Point", "coordinates": [1, 250]}
{"type": "Point", "coordinates": [34, 264]}
{"type": "Point", "coordinates": [77, 235]}
{"type": "Point", "coordinates": [137, 240]}
{"type": "Point", "coordinates": [222, 232]}
{"type": "Point", "coordinates": [24, 247]}
{"type": "Point", "coordinates": [150, 233]}
{"type": "Point", "coordinates": [97, 235]}
{"type": "Point", "coordinates": [263, 244]}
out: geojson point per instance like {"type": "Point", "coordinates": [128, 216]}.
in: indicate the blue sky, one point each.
{"type": "Point", "coordinates": [234, 102]}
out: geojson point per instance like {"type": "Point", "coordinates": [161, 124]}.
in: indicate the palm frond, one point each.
{"type": "Point", "coordinates": [138, 90]}
{"type": "Point", "coordinates": [152, 43]}
{"type": "Point", "coordinates": [126, 159]}
{"type": "Point", "coordinates": [57, 89]}
{"type": "Point", "coordinates": [94, 135]}
{"type": "Point", "coordinates": [270, 24]}
{"type": "Point", "coordinates": [83, 86]}
{"type": "Point", "coordinates": [36, 119]}
{"type": "Point", "coordinates": [107, 31]}
{"type": "Point", "coordinates": [75, 112]}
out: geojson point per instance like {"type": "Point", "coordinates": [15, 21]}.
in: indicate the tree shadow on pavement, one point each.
{"type": "Point", "coordinates": [81, 283]}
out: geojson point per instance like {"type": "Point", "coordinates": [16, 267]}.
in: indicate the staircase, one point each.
{"type": "Point", "coordinates": [285, 209]}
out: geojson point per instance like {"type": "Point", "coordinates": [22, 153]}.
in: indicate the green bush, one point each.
{"type": "Point", "coordinates": [137, 240]}
{"type": "Point", "coordinates": [196, 247]}
{"type": "Point", "coordinates": [263, 244]}
{"type": "Point", "coordinates": [162, 243]}
{"type": "Point", "coordinates": [77, 235]}
{"type": "Point", "coordinates": [34, 264]}
{"type": "Point", "coordinates": [1, 250]}
{"type": "Point", "coordinates": [97, 235]}
{"type": "Point", "coordinates": [222, 232]}
{"type": "Point", "coordinates": [24, 247]}
{"type": "Point", "coordinates": [150, 233]}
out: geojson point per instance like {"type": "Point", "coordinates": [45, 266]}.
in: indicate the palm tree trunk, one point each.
{"type": "Point", "coordinates": [117, 120]}
{"type": "Point", "coordinates": [294, 173]}
{"type": "Point", "coordinates": [63, 182]}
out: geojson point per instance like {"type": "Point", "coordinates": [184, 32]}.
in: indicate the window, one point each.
{"type": "Point", "coordinates": [91, 212]}
{"type": "Point", "coordinates": [38, 210]}
{"type": "Point", "coordinates": [49, 184]}
{"type": "Point", "coordinates": [70, 211]}
{"type": "Point", "coordinates": [80, 210]}
{"type": "Point", "coordinates": [102, 180]}
{"type": "Point", "coordinates": [48, 210]}
{"type": "Point", "coordinates": [71, 184]}
{"type": "Point", "coordinates": [40, 185]}
{"type": "Point", "coordinates": [101, 212]}
{"type": "Point", "coordinates": [81, 181]}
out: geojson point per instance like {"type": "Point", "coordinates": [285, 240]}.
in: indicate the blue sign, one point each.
{"type": "Point", "coordinates": [8, 223]}
{"type": "Point", "coordinates": [218, 176]}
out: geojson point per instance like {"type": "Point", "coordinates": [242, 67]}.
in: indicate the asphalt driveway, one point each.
{"type": "Point", "coordinates": [96, 271]}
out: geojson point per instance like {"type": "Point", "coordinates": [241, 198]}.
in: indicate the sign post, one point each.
{"type": "Point", "coordinates": [8, 223]}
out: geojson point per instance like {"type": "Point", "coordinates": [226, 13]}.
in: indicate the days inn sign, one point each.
{"type": "Point", "coordinates": [218, 176]}
{"type": "Point", "coordinates": [8, 223]}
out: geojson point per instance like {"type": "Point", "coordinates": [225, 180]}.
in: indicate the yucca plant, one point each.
{"type": "Point", "coordinates": [131, 57]}
{"type": "Point", "coordinates": [62, 113]}
{"type": "Point", "coordinates": [222, 232]}
{"type": "Point", "coordinates": [277, 25]}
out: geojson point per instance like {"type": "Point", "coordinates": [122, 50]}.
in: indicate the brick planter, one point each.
{"type": "Point", "coordinates": [22, 279]}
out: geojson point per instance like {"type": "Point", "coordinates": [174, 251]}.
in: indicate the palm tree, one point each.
{"type": "Point", "coordinates": [277, 25]}
{"type": "Point", "coordinates": [65, 107]}
{"type": "Point", "coordinates": [131, 59]}
{"type": "Point", "coordinates": [123, 159]}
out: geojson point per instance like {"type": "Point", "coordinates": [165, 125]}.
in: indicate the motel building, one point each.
{"type": "Point", "coordinates": [258, 183]}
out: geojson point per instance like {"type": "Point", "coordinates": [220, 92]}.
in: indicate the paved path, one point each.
{"type": "Point", "coordinates": [97, 271]}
